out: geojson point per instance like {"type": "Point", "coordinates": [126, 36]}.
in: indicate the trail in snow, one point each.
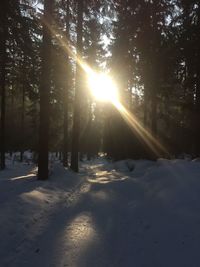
{"type": "Point", "coordinates": [105, 216]}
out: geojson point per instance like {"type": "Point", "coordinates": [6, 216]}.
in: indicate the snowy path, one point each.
{"type": "Point", "coordinates": [107, 218]}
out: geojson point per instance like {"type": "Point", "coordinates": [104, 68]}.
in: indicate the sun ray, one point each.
{"type": "Point", "coordinates": [101, 82]}
{"type": "Point", "coordinates": [64, 42]}
{"type": "Point", "coordinates": [102, 87]}
{"type": "Point", "coordinates": [146, 136]}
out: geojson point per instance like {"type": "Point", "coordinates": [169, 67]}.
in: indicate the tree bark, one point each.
{"type": "Point", "coordinates": [154, 69]}
{"type": "Point", "coordinates": [197, 104]}
{"type": "Point", "coordinates": [197, 115]}
{"type": "Point", "coordinates": [154, 113]}
{"type": "Point", "coordinates": [66, 98]}
{"type": "Point", "coordinates": [3, 57]}
{"type": "Point", "coordinates": [145, 106]}
{"type": "Point", "coordinates": [22, 122]}
{"type": "Point", "coordinates": [77, 101]}
{"type": "Point", "coordinates": [45, 93]}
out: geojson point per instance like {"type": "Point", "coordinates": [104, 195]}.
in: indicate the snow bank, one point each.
{"type": "Point", "coordinates": [136, 166]}
{"type": "Point", "coordinates": [160, 202]}
{"type": "Point", "coordinates": [151, 207]}
{"type": "Point", "coordinates": [174, 182]}
{"type": "Point", "coordinates": [27, 204]}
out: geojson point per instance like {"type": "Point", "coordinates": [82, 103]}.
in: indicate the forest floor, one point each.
{"type": "Point", "coordinates": [128, 213]}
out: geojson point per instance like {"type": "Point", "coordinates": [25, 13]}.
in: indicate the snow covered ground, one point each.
{"type": "Point", "coordinates": [127, 213]}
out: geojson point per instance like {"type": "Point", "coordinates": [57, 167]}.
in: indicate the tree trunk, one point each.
{"type": "Point", "coordinates": [22, 123]}
{"type": "Point", "coordinates": [45, 93]}
{"type": "Point", "coordinates": [197, 115]}
{"type": "Point", "coordinates": [154, 113]}
{"type": "Point", "coordinates": [77, 101]}
{"type": "Point", "coordinates": [145, 105]}
{"type": "Point", "coordinates": [154, 68]}
{"type": "Point", "coordinates": [66, 135]}
{"type": "Point", "coordinates": [197, 104]}
{"type": "Point", "coordinates": [3, 57]}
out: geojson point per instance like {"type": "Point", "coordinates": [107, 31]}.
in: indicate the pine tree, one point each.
{"type": "Point", "coordinates": [45, 92]}
{"type": "Point", "coordinates": [66, 90]}
{"type": "Point", "coordinates": [78, 92]}
{"type": "Point", "coordinates": [3, 53]}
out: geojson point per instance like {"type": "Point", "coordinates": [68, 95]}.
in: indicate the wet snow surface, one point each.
{"type": "Point", "coordinates": [105, 216]}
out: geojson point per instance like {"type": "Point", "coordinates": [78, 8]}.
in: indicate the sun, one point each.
{"type": "Point", "coordinates": [103, 87]}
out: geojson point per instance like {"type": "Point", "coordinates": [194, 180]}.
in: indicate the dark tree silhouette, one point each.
{"type": "Point", "coordinates": [66, 91]}
{"type": "Point", "coordinates": [77, 101]}
{"type": "Point", "coordinates": [45, 92]}
{"type": "Point", "coordinates": [3, 56]}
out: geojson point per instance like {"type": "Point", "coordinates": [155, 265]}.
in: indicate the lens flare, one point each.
{"type": "Point", "coordinates": [143, 133]}
{"type": "Point", "coordinates": [105, 89]}
{"type": "Point", "coordinates": [102, 87]}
